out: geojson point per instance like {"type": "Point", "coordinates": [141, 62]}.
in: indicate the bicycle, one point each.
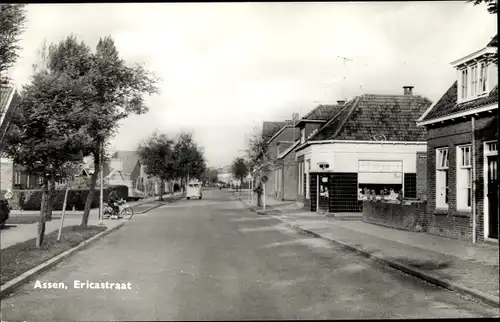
{"type": "Point", "coordinates": [124, 211]}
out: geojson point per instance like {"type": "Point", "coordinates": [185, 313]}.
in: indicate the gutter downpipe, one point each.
{"type": "Point", "coordinates": [473, 155]}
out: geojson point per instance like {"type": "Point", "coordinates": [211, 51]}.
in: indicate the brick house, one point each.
{"type": "Point", "coordinates": [286, 168]}
{"type": "Point", "coordinates": [279, 175]}
{"type": "Point", "coordinates": [371, 143]}
{"type": "Point", "coordinates": [462, 152]}
{"type": "Point", "coordinates": [269, 129]}
{"type": "Point", "coordinates": [308, 126]}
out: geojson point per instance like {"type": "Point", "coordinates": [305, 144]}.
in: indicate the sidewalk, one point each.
{"type": "Point", "coordinates": [455, 264]}
{"type": "Point", "coordinates": [22, 232]}
{"type": "Point", "coordinates": [95, 211]}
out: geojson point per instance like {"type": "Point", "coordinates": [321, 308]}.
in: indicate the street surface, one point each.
{"type": "Point", "coordinates": [213, 259]}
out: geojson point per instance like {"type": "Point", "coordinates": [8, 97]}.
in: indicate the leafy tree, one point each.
{"type": "Point", "coordinates": [46, 133]}
{"type": "Point", "coordinates": [239, 169]}
{"type": "Point", "coordinates": [189, 158]}
{"type": "Point", "coordinates": [156, 153]}
{"type": "Point", "coordinates": [211, 175]}
{"type": "Point", "coordinates": [491, 5]}
{"type": "Point", "coordinates": [12, 20]}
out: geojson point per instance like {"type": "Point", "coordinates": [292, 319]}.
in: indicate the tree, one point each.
{"type": "Point", "coordinates": [156, 153]}
{"type": "Point", "coordinates": [12, 20]}
{"type": "Point", "coordinates": [119, 91]}
{"type": "Point", "coordinates": [239, 169]}
{"type": "Point", "coordinates": [211, 175]}
{"type": "Point", "coordinates": [45, 132]}
{"type": "Point", "coordinates": [492, 5]}
{"type": "Point", "coordinates": [189, 158]}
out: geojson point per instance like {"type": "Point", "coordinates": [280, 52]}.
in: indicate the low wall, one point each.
{"type": "Point", "coordinates": [409, 216]}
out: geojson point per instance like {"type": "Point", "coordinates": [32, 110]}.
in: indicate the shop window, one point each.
{"type": "Point", "coordinates": [377, 176]}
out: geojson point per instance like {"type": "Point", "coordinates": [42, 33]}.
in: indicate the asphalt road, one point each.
{"type": "Point", "coordinates": [212, 259]}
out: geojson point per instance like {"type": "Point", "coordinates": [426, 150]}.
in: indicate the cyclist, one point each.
{"type": "Point", "coordinates": [112, 202]}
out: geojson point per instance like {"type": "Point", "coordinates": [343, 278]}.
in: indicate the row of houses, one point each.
{"type": "Point", "coordinates": [445, 153]}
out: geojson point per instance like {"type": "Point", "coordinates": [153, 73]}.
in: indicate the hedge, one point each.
{"type": "Point", "coordinates": [32, 199]}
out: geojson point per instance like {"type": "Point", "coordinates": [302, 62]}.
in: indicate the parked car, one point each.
{"type": "Point", "coordinates": [194, 190]}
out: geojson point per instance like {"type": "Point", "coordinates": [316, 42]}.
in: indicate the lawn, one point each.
{"type": "Point", "coordinates": [20, 258]}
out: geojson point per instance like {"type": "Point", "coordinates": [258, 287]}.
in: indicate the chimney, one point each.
{"type": "Point", "coordinates": [408, 90]}
{"type": "Point", "coordinates": [340, 103]}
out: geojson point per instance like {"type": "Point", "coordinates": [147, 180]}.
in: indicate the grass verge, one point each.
{"type": "Point", "coordinates": [20, 258]}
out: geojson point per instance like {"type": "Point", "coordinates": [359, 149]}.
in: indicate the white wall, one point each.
{"type": "Point", "coordinates": [344, 157]}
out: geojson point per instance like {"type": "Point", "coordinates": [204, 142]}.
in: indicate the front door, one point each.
{"type": "Point", "coordinates": [323, 193]}
{"type": "Point", "coordinates": [492, 197]}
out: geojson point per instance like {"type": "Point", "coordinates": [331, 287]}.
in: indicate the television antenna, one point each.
{"type": "Point", "coordinates": [345, 59]}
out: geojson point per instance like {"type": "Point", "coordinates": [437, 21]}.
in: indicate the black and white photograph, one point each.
{"type": "Point", "coordinates": [231, 161]}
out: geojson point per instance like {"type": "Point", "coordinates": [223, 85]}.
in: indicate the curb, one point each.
{"type": "Point", "coordinates": [13, 284]}
{"type": "Point", "coordinates": [449, 285]}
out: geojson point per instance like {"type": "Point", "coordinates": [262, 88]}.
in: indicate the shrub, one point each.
{"type": "Point", "coordinates": [32, 199]}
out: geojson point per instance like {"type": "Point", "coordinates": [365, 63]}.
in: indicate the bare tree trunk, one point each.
{"type": "Point", "coordinates": [43, 210]}
{"type": "Point", "coordinates": [50, 201]}
{"type": "Point", "coordinates": [90, 195]}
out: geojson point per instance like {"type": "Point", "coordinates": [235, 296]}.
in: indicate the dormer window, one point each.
{"type": "Point", "coordinates": [473, 79]}
{"type": "Point", "coordinates": [482, 78]}
{"type": "Point", "coordinates": [465, 80]}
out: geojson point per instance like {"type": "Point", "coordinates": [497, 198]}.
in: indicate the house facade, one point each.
{"type": "Point", "coordinates": [308, 126]}
{"type": "Point", "coordinates": [462, 152]}
{"type": "Point", "coordinates": [278, 178]}
{"type": "Point", "coordinates": [371, 144]}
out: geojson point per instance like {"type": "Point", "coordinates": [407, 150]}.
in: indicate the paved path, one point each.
{"type": "Point", "coordinates": [472, 266]}
{"type": "Point", "coordinates": [213, 259]}
{"type": "Point", "coordinates": [19, 233]}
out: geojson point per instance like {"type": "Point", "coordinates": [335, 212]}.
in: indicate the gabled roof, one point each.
{"type": "Point", "coordinates": [320, 113]}
{"type": "Point", "coordinates": [270, 128]}
{"type": "Point", "coordinates": [447, 104]}
{"type": "Point", "coordinates": [377, 117]}
{"type": "Point", "coordinates": [129, 160]}
{"type": "Point", "coordinates": [287, 151]}
{"type": "Point", "coordinates": [9, 101]}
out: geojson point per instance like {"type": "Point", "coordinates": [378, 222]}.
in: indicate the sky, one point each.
{"type": "Point", "coordinates": [227, 67]}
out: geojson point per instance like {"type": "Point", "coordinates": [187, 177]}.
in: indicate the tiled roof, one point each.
{"type": "Point", "coordinates": [270, 128]}
{"type": "Point", "coordinates": [129, 160]}
{"type": "Point", "coordinates": [447, 104]}
{"type": "Point", "coordinates": [493, 42]}
{"type": "Point", "coordinates": [377, 117]}
{"type": "Point", "coordinates": [5, 93]}
{"type": "Point", "coordinates": [322, 112]}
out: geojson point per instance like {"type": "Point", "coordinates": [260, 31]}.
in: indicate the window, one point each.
{"type": "Point", "coordinates": [377, 175]}
{"type": "Point", "coordinates": [301, 178]}
{"type": "Point", "coordinates": [28, 181]}
{"type": "Point", "coordinates": [308, 168]}
{"type": "Point", "coordinates": [482, 78]}
{"type": "Point", "coordinates": [442, 178]}
{"type": "Point", "coordinates": [465, 79]}
{"type": "Point", "coordinates": [17, 178]}
{"type": "Point", "coordinates": [473, 76]}
{"type": "Point", "coordinates": [302, 135]}
{"type": "Point", "coordinates": [464, 177]}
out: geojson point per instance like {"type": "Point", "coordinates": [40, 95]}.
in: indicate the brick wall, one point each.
{"type": "Point", "coordinates": [6, 176]}
{"type": "Point", "coordinates": [422, 175]}
{"type": "Point", "coordinates": [407, 217]}
{"type": "Point", "coordinates": [453, 223]}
